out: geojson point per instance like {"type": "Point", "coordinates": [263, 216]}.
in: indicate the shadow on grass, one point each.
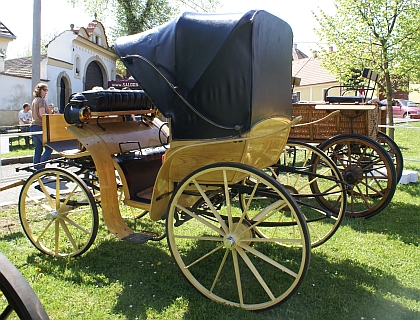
{"type": "Point", "coordinates": [12, 235]}
{"type": "Point", "coordinates": [342, 289]}
{"type": "Point", "coordinates": [399, 221]}
{"type": "Point", "coordinates": [350, 290]}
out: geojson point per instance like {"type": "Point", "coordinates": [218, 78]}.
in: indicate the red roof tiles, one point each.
{"type": "Point", "coordinates": [311, 72]}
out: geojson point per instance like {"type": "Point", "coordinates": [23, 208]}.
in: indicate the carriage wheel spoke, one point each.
{"type": "Point", "coordinates": [67, 198]}
{"type": "Point", "coordinates": [68, 234]}
{"type": "Point", "coordinates": [43, 232]}
{"type": "Point", "coordinates": [362, 195]}
{"type": "Point", "coordinates": [57, 236]}
{"type": "Point", "coordinates": [73, 223]}
{"type": "Point", "coordinates": [205, 222]}
{"type": "Point", "coordinates": [238, 277]}
{"type": "Point", "coordinates": [211, 206]}
{"type": "Point", "coordinates": [269, 260]}
{"type": "Point", "coordinates": [255, 272]}
{"type": "Point", "coordinates": [45, 191]}
{"type": "Point", "coordinates": [219, 271]}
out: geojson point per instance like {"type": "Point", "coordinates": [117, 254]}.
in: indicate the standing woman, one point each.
{"type": "Point", "coordinates": [39, 107]}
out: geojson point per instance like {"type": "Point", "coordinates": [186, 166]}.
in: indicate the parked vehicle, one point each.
{"type": "Point", "coordinates": [404, 109]}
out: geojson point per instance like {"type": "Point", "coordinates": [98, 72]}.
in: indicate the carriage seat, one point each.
{"type": "Point", "coordinates": [145, 154]}
{"type": "Point", "coordinates": [116, 100]}
{"type": "Point", "coordinates": [362, 93]}
{"type": "Point", "coordinates": [59, 139]}
{"type": "Point", "coordinates": [140, 168]}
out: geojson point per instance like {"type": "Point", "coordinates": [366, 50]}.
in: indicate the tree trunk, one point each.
{"type": "Point", "coordinates": [388, 84]}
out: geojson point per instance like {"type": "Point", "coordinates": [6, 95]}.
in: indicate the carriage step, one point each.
{"type": "Point", "coordinates": [140, 237]}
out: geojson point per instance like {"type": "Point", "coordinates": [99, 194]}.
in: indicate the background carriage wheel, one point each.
{"type": "Point", "coordinates": [367, 166]}
{"type": "Point", "coordinates": [213, 240]}
{"type": "Point", "coordinates": [58, 212]}
{"type": "Point", "coordinates": [394, 152]}
{"type": "Point", "coordinates": [21, 298]}
{"type": "Point", "coordinates": [317, 186]}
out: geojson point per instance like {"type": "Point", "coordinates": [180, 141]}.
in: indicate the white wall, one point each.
{"type": "Point", "coordinates": [414, 95]}
{"type": "Point", "coordinates": [13, 94]}
{"type": "Point", "coordinates": [62, 52]}
{"type": "Point", "coordinates": [61, 47]}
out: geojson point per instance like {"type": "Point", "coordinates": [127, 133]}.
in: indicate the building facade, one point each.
{"type": "Point", "coordinates": [314, 79]}
{"type": "Point", "coordinates": [76, 60]}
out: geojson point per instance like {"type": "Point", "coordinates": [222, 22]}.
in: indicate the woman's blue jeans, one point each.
{"type": "Point", "coordinates": [38, 155]}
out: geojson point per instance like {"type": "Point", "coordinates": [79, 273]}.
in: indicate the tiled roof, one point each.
{"type": "Point", "coordinates": [311, 72]}
{"type": "Point", "coordinates": [5, 32]}
{"type": "Point", "coordinates": [297, 54]}
{"type": "Point", "coordinates": [19, 67]}
{"type": "Point", "coordinates": [90, 28]}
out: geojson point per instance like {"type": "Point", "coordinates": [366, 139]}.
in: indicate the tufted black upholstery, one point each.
{"type": "Point", "coordinates": [117, 100]}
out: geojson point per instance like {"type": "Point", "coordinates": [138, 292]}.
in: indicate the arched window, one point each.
{"type": "Point", "coordinates": [77, 64]}
{"type": "Point", "coordinates": [94, 76]}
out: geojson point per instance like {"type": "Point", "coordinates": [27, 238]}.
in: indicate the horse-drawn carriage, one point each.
{"type": "Point", "coordinates": [369, 160]}
{"type": "Point", "coordinates": [242, 206]}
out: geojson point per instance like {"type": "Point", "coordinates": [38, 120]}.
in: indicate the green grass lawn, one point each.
{"type": "Point", "coordinates": [17, 148]}
{"type": "Point", "coordinates": [370, 269]}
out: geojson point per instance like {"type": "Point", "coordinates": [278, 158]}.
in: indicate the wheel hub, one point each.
{"type": "Point", "coordinates": [352, 175]}
{"type": "Point", "coordinates": [238, 231]}
{"type": "Point", "coordinates": [52, 215]}
{"type": "Point", "coordinates": [291, 190]}
{"type": "Point", "coordinates": [229, 242]}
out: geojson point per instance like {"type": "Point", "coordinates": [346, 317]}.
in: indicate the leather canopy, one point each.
{"type": "Point", "coordinates": [226, 72]}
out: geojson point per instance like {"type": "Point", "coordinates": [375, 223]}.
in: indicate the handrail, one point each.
{"type": "Point", "coordinates": [332, 114]}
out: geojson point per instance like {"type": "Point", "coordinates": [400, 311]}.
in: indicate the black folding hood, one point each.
{"type": "Point", "coordinates": [214, 75]}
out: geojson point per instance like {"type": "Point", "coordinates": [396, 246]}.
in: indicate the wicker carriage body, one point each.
{"type": "Point", "coordinates": [359, 119]}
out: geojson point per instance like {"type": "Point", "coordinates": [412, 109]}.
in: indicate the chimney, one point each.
{"type": "Point", "coordinates": [295, 46]}
{"type": "Point", "coordinates": [315, 54]}
{"type": "Point", "coordinates": [331, 49]}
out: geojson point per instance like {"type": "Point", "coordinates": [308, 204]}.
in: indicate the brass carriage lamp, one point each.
{"type": "Point", "coordinates": [75, 111]}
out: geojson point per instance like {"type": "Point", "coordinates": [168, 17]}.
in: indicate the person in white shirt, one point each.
{"type": "Point", "coordinates": [25, 118]}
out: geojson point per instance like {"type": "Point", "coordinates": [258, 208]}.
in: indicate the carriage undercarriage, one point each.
{"type": "Point", "coordinates": [233, 211]}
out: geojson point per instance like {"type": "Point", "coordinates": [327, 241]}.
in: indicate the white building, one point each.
{"type": "Point", "coordinates": [76, 60]}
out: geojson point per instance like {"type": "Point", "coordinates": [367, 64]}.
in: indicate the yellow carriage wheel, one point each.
{"type": "Point", "coordinates": [58, 212]}
{"type": "Point", "coordinates": [317, 186]}
{"type": "Point", "coordinates": [214, 242]}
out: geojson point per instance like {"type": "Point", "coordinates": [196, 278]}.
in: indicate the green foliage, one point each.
{"type": "Point", "coordinates": [382, 35]}
{"type": "Point", "coordinates": [378, 34]}
{"type": "Point", "coordinates": [137, 16]}
{"type": "Point", "coordinates": [134, 16]}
